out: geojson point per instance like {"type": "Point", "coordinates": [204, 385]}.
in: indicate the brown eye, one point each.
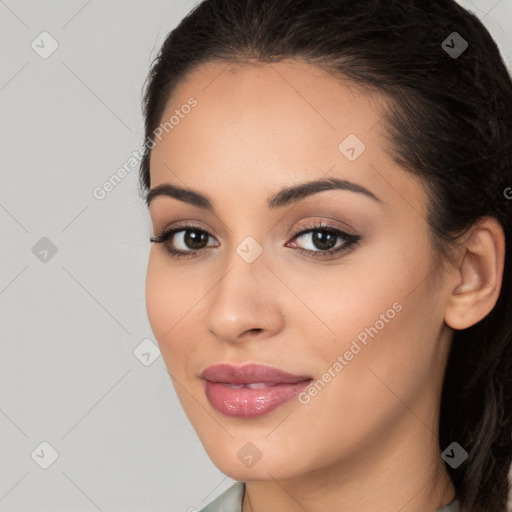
{"type": "Point", "coordinates": [192, 239]}
{"type": "Point", "coordinates": [183, 240]}
{"type": "Point", "coordinates": [321, 240]}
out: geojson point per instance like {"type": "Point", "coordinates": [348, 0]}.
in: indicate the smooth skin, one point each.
{"type": "Point", "coordinates": [368, 440]}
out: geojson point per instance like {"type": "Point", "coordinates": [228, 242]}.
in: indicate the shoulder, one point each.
{"type": "Point", "coordinates": [229, 501]}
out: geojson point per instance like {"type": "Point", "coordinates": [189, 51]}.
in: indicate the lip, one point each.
{"type": "Point", "coordinates": [226, 388]}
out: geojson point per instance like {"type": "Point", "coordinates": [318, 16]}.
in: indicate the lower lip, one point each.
{"type": "Point", "coordinates": [248, 403]}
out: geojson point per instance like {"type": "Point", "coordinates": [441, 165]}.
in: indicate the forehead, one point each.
{"type": "Point", "coordinates": [268, 125]}
{"type": "Point", "coordinates": [287, 90]}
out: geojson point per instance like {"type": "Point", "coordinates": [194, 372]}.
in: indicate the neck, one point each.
{"type": "Point", "coordinates": [402, 472]}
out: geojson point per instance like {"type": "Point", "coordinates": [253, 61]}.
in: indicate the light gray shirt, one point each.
{"type": "Point", "coordinates": [231, 501]}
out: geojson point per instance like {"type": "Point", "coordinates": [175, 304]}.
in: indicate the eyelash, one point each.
{"type": "Point", "coordinates": [350, 240]}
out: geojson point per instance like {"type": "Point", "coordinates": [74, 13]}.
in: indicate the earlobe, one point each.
{"type": "Point", "coordinates": [479, 275]}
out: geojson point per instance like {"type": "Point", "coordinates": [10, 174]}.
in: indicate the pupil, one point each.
{"type": "Point", "coordinates": [323, 240]}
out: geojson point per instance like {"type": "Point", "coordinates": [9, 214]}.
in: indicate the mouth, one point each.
{"type": "Point", "coordinates": [250, 390]}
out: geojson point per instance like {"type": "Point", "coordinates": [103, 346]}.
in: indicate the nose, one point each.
{"type": "Point", "coordinates": [245, 302]}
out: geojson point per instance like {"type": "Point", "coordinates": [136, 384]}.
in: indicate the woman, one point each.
{"type": "Point", "coordinates": [330, 280]}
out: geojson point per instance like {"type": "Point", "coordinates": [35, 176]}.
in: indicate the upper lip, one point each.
{"type": "Point", "coordinates": [250, 374]}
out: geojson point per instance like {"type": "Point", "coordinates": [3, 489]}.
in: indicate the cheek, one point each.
{"type": "Point", "coordinates": [159, 300]}
{"type": "Point", "coordinates": [341, 302]}
{"type": "Point", "coordinates": [381, 314]}
{"type": "Point", "coordinates": [388, 349]}
{"type": "Point", "coordinates": [169, 303]}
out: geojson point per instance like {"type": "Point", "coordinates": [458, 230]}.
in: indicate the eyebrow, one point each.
{"type": "Point", "coordinates": [284, 197]}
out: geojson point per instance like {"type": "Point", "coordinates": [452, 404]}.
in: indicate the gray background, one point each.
{"type": "Point", "coordinates": [72, 373]}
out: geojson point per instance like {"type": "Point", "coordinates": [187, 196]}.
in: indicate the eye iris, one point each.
{"type": "Point", "coordinates": [324, 240]}
{"type": "Point", "coordinates": [195, 239]}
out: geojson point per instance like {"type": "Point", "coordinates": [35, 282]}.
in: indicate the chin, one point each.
{"type": "Point", "coordinates": [243, 464]}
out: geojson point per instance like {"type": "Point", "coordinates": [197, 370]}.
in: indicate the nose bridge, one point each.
{"type": "Point", "coordinates": [241, 299]}
{"type": "Point", "coordinates": [245, 261]}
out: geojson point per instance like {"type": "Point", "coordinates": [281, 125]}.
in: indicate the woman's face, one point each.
{"type": "Point", "coordinates": [363, 324]}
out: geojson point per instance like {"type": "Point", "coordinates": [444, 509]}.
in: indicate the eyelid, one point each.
{"type": "Point", "coordinates": [302, 228]}
{"type": "Point", "coordinates": [311, 225]}
{"type": "Point", "coordinates": [186, 224]}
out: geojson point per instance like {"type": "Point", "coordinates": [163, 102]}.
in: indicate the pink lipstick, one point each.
{"type": "Point", "coordinates": [250, 390]}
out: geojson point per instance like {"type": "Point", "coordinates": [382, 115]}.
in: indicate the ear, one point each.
{"type": "Point", "coordinates": [479, 275]}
